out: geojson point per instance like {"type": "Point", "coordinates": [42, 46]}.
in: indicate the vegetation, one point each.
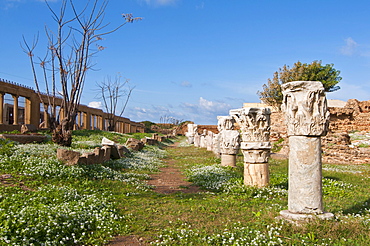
{"type": "Point", "coordinates": [64, 67]}
{"type": "Point", "coordinates": [43, 202]}
{"type": "Point", "coordinates": [113, 93]}
{"type": "Point", "coordinates": [327, 74]}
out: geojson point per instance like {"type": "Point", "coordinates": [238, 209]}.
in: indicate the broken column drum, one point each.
{"type": "Point", "coordinates": [255, 130]}
{"type": "Point", "coordinates": [307, 119]}
{"type": "Point", "coordinates": [229, 140]}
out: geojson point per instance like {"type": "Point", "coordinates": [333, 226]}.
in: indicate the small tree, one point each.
{"type": "Point", "coordinates": [111, 92]}
{"type": "Point", "coordinates": [67, 60]}
{"type": "Point", "coordinates": [326, 74]}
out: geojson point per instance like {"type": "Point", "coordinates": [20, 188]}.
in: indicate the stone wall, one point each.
{"type": "Point", "coordinates": [337, 148]}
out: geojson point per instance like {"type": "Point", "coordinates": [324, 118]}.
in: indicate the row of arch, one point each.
{"type": "Point", "coordinates": [21, 105]}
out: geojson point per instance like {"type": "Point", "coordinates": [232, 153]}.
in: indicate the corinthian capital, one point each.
{"type": "Point", "coordinates": [305, 107]}
{"type": "Point", "coordinates": [254, 123]}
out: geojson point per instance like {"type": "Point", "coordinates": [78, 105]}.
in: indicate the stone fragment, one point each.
{"type": "Point", "coordinates": [134, 144]}
{"type": "Point", "coordinates": [229, 143]}
{"type": "Point", "coordinates": [192, 131]}
{"type": "Point", "coordinates": [70, 157]}
{"type": "Point", "coordinates": [26, 128]}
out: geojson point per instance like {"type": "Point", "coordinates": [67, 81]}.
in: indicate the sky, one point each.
{"type": "Point", "coordinates": [197, 59]}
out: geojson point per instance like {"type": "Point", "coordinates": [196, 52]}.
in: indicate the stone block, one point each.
{"type": "Point", "coordinates": [134, 144]}
{"type": "Point", "coordinates": [26, 128]}
{"type": "Point", "coordinates": [70, 157]}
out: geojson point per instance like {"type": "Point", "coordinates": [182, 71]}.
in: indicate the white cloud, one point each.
{"type": "Point", "coordinates": [350, 48]}
{"type": "Point", "coordinates": [206, 112]}
{"type": "Point", "coordinates": [95, 105]}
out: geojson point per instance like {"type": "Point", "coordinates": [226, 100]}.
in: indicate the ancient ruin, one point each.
{"type": "Point", "coordinates": [192, 130]}
{"type": "Point", "coordinates": [229, 140]}
{"type": "Point", "coordinates": [13, 115]}
{"type": "Point", "coordinates": [254, 124]}
{"type": "Point", "coordinates": [307, 119]}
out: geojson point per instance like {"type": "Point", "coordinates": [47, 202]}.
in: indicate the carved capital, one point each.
{"type": "Point", "coordinates": [229, 142]}
{"type": "Point", "coordinates": [305, 107]}
{"type": "Point", "coordinates": [256, 155]}
{"type": "Point", "coordinates": [256, 145]}
{"type": "Point", "coordinates": [254, 123]}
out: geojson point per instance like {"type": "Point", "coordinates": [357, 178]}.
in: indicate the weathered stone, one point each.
{"type": "Point", "coordinates": [24, 138]}
{"type": "Point", "coordinates": [197, 140]}
{"type": "Point", "coordinates": [305, 178]}
{"type": "Point", "coordinates": [229, 140]}
{"type": "Point", "coordinates": [134, 144]}
{"type": "Point", "coordinates": [305, 107]}
{"type": "Point", "coordinates": [254, 123]}
{"type": "Point", "coordinates": [203, 143]}
{"type": "Point", "coordinates": [216, 144]}
{"type": "Point", "coordinates": [192, 131]}
{"type": "Point", "coordinates": [106, 153]}
{"type": "Point", "coordinates": [256, 174]}
{"type": "Point", "coordinates": [255, 127]}
{"type": "Point", "coordinates": [70, 157]}
{"type": "Point", "coordinates": [149, 141]}
{"type": "Point", "coordinates": [228, 160]}
{"type": "Point", "coordinates": [209, 140]}
{"type": "Point", "coordinates": [307, 118]}
{"type": "Point", "coordinates": [106, 141]}
{"type": "Point", "coordinates": [26, 128]}
{"type": "Point", "coordinates": [123, 150]}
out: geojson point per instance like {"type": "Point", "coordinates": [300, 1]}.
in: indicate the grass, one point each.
{"type": "Point", "coordinates": [47, 203]}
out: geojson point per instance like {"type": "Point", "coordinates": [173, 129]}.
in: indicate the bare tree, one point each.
{"type": "Point", "coordinates": [113, 93]}
{"type": "Point", "coordinates": [64, 68]}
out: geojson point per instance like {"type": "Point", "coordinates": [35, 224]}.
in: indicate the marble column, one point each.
{"type": "Point", "coordinates": [254, 124]}
{"type": "Point", "coordinates": [307, 119]}
{"type": "Point", "coordinates": [229, 140]}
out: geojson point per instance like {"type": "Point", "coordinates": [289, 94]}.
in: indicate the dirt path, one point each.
{"type": "Point", "coordinates": [169, 180]}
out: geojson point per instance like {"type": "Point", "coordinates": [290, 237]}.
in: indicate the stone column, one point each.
{"type": "Point", "coordinates": [229, 140]}
{"type": "Point", "coordinates": [192, 130]}
{"type": "Point", "coordinates": [255, 127]}
{"type": "Point", "coordinates": [307, 119]}
{"type": "Point", "coordinates": [28, 111]}
{"type": "Point", "coordinates": [1, 108]}
{"type": "Point", "coordinates": [15, 110]}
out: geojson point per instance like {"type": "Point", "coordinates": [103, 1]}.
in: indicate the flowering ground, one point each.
{"type": "Point", "coordinates": [43, 202]}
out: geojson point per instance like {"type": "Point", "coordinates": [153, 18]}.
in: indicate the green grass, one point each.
{"type": "Point", "coordinates": [47, 203]}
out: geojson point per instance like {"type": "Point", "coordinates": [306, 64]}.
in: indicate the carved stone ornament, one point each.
{"type": "Point", "coordinates": [305, 107]}
{"type": "Point", "coordinates": [229, 138]}
{"type": "Point", "coordinates": [254, 123]}
{"type": "Point", "coordinates": [256, 155]}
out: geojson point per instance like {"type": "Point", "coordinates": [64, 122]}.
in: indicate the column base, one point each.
{"type": "Point", "coordinates": [285, 214]}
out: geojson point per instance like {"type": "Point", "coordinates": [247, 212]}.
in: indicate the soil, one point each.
{"type": "Point", "coordinates": [169, 180]}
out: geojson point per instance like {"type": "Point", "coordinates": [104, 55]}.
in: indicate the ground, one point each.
{"type": "Point", "coordinates": [168, 180]}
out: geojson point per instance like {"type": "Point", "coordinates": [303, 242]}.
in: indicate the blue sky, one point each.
{"type": "Point", "coordinates": [196, 59]}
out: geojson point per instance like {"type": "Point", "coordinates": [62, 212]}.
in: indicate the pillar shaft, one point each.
{"type": "Point", "coordinates": [1, 108]}
{"type": "Point", "coordinates": [15, 110]}
{"type": "Point", "coordinates": [305, 175]}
